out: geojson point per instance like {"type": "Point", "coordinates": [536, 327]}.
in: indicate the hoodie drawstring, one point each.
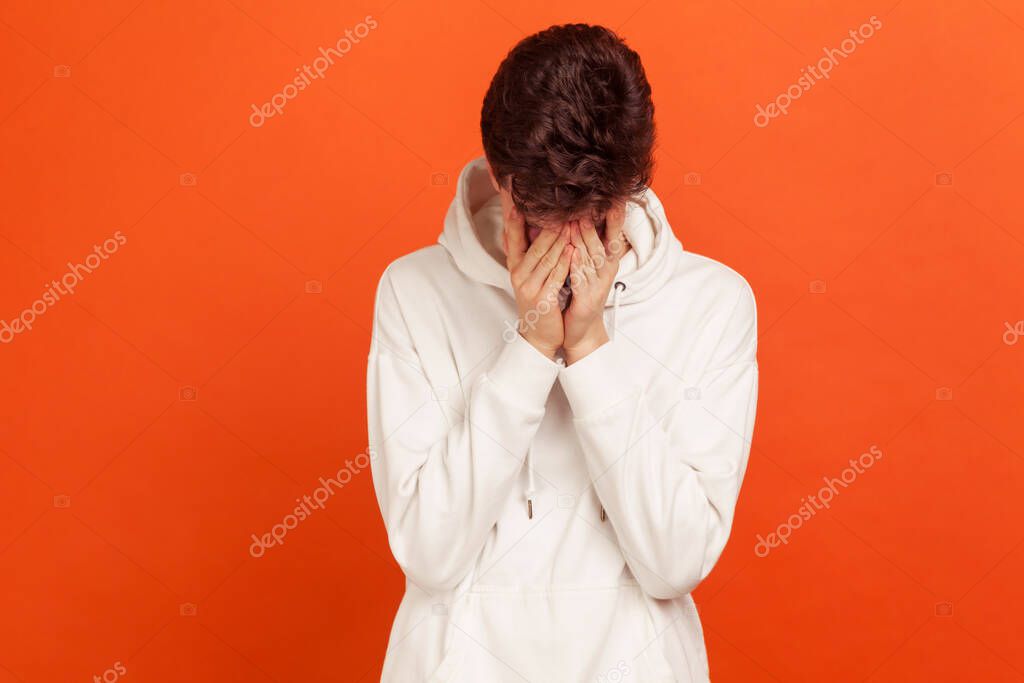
{"type": "Point", "coordinates": [620, 286]}
{"type": "Point", "coordinates": [531, 484]}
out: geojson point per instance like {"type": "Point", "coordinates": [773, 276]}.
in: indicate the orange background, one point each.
{"type": "Point", "coordinates": [192, 388]}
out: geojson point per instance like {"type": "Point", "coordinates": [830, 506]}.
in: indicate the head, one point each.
{"type": "Point", "coordinates": [568, 125]}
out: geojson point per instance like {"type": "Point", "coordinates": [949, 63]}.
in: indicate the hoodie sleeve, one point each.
{"type": "Point", "coordinates": [441, 477]}
{"type": "Point", "coordinates": [668, 476]}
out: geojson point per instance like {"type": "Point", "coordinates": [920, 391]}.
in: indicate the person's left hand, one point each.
{"type": "Point", "coordinates": [592, 271]}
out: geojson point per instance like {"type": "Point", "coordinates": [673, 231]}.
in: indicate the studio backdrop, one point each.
{"type": "Point", "coordinates": [199, 199]}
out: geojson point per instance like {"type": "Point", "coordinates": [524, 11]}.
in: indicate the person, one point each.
{"type": "Point", "coordinates": [560, 398]}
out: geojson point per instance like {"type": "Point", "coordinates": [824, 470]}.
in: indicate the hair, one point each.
{"type": "Point", "coordinates": [568, 123]}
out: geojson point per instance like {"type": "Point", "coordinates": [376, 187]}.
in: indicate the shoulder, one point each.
{"type": "Point", "coordinates": [721, 302]}
{"type": "Point", "coordinates": [419, 267]}
{"type": "Point", "coordinates": [406, 284]}
{"type": "Point", "coordinates": [413, 278]}
{"type": "Point", "coordinates": [716, 284]}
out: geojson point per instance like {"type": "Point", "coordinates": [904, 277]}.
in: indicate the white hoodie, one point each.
{"type": "Point", "coordinates": [630, 459]}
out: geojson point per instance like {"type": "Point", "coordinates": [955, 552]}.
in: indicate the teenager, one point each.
{"type": "Point", "coordinates": [561, 399]}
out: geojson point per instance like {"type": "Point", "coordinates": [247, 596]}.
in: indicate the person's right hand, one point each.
{"type": "Point", "coordinates": [538, 273]}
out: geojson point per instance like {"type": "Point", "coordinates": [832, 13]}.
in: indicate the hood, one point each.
{"type": "Point", "coordinates": [473, 225]}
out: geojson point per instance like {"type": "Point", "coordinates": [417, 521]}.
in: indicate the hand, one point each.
{"type": "Point", "coordinates": [537, 274]}
{"type": "Point", "coordinates": [592, 272]}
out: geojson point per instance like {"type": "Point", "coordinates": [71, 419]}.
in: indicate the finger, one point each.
{"type": "Point", "coordinates": [549, 261]}
{"type": "Point", "coordinates": [581, 276]}
{"type": "Point", "coordinates": [586, 262]}
{"type": "Point", "coordinates": [557, 276]}
{"type": "Point", "coordinates": [514, 231]}
{"type": "Point", "coordinates": [538, 249]}
{"type": "Point", "coordinates": [593, 243]}
{"type": "Point", "coordinates": [576, 237]}
{"type": "Point", "coordinates": [577, 278]}
{"type": "Point", "coordinates": [615, 242]}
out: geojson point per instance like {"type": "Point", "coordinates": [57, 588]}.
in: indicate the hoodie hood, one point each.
{"type": "Point", "coordinates": [473, 226]}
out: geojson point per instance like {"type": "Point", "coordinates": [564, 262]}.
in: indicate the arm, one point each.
{"type": "Point", "coordinates": [441, 480]}
{"type": "Point", "coordinates": [669, 482]}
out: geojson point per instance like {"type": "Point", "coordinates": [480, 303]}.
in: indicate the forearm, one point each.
{"type": "Point", "coordinates": [441, 480]}
{"type": "Point", "coordinates": [668, 482]}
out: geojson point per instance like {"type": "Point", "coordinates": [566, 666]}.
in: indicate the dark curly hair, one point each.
{"type": "Point", "coordinates": [568, 123]}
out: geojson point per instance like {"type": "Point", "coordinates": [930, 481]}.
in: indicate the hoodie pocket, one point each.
{"type": "Point", "coordinates": [557, 636]}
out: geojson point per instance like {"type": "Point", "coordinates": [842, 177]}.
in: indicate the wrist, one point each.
{"type": "Point", "coordinates": [546, 349]}
{"type": "Point", "coordinates": [585, 346]}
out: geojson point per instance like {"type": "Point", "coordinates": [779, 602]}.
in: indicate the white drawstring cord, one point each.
{"type": "Point", "coordinates": [531, 484]}
{"type": "Point", "coordinates": [620, 286]}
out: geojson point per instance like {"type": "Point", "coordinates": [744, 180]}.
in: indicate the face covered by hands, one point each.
{"type": "Point", "coordinates": [538, 269]}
